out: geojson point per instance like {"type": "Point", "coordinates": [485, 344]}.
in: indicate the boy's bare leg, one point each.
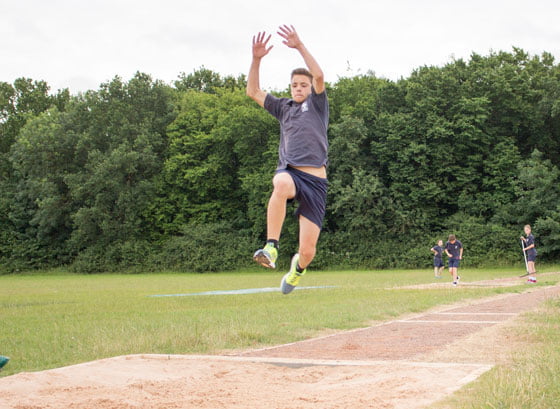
{"type": "Point", "coordinates": [436, 269]}
{"type": "Point", "coordinates": [440, 271]}
{"type": "Point", "coordinates": [308, 236]}
{"type": "Point", "coordinates": [284, 189]}
{"type": "Point", "coordinates": [453, 271]}
{"type": "Point", "coordinates": [531, 265]}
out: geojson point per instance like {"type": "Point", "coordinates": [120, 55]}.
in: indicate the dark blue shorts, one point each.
{"type": "Point", "coordinates": [438, 262]}
{"type": "Point", "coordinates": [531, 257]}
{"type": "Point", "coordinates": [453, 262]}
{"type": "Point", "coordinates": [311, 194]}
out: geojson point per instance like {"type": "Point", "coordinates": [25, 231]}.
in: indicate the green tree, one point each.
{"type": "Point", "coordinates": [208, 81]}
{"type": "Point", "coordinates": [219, 146]}
{"type": "Point", "coordinates": [123, 145]}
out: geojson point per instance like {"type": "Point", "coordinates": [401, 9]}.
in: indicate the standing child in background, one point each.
{"type": "Point", "coordinates": [301, 173]}
{"type": "Point", "coordinates": [529, 247]}
{"type": "Point", "coordinates": [454, 250]}
{"type": "Point", "coordinates": [438, 262]}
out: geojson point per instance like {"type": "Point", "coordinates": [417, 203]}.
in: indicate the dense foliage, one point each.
{"type": "Point", "coordinates": [144, 175]}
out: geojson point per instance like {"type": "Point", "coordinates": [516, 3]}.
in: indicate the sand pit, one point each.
{"type": "Point", "coordinates": [398, 364]}
{"type": "Point", "coordinates": [156, 381]}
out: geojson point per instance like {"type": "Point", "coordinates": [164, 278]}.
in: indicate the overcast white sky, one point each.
{"type": "Point", "coordinates": [79, 44]}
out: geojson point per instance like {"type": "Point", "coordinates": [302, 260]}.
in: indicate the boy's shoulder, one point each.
{"type": "Point", "coordinates": [277, 99]}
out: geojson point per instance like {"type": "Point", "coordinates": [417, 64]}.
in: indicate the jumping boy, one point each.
{"type": "Point", "coordinates": [530, 249]}
{"type": "Point", "coordinates": [301, 173]}
{"type": "Point", "coordinates": [454, 250]}
{"type": "Point", "coordinates": [438, 262]}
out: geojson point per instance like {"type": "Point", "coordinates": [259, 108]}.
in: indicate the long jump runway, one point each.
{"type": "Point", "coordinates": [384, 366]}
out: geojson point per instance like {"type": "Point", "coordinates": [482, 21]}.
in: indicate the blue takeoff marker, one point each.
{"type": "Point", "coordinates": [242, 291]}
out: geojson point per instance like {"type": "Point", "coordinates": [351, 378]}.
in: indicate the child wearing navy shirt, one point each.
{"type": "Point", "coordinates": [301, 174]}
{"type": "Point", "coordinates": [438, 262]}
{"type": "Point", "coordinates": [454, 250]}
{"type": "Point", "coordinates": [529, 247]}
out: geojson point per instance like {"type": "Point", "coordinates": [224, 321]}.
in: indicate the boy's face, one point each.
{"type": "Point", "coordinates": [440, 243]}
{"type": "Point", "coordinates": [300, 87]}
{"type": "Point", "coordinates": [527, 230]}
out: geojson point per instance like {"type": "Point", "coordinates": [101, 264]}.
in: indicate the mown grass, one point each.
{"type": "Point", "coordinates": [57, 319]}
{"type": "Point", "coordinates": [531, 380]}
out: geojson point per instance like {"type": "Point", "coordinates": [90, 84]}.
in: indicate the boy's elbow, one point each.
{"type": "Point", "coordinates": [251, 92]}
{"type": "Point", "coordinates": [319, 76]}
{"type": "Point", "coordinates": [319, 82]}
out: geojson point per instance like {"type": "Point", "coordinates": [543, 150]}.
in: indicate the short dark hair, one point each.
{"type": "Point", "coordinates": [302, 71]}
{"type": "Point", "coordinates": [452, 237]}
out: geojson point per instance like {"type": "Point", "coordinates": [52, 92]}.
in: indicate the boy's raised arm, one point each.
{"type": "Point", "coordinates": [292, 40]}
{"type": "Point", "coordinates": [260, 49]}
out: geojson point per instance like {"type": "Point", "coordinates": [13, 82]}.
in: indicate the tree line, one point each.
{"type": "Point", "coordinates": [142, 175]}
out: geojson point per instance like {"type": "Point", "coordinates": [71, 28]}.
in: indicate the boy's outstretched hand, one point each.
{"type": "Point", "coordinates": [290, 36]}
{"type": "Point", "coordinates": [260, 45]}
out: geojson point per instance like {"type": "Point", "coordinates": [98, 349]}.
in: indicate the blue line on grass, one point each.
{"type": "Point", "coordinates": [242, 291]}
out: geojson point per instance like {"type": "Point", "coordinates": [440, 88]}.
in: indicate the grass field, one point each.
{"type": "Point", "coordinates": [57, 319]}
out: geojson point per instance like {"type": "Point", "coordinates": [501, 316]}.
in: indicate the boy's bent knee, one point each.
{"type": "Point", "coordinates": [284, 185]}
{"type": "Point", "coordinates": [307, 252]}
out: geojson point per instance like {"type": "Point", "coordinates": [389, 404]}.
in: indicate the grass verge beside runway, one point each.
{"type": "Point", "coordinates": [52, 320]}
{"type": "Point", "coordinates": [531, 380]}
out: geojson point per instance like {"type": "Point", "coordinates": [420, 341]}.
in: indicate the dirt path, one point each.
{"type": "Point", "coordinates": [404, 363]}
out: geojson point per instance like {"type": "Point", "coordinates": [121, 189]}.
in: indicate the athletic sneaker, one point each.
{"type": "Point", "coordinates": [458, 278]}
{"type": "Point", "coordinates": [291, 280]}
{"type": "Point", "coordinates": [454, 283]}
{"type": "Point", "coordinates": [267, 256]}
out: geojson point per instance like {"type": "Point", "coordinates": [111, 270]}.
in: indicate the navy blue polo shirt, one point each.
{"type": "Point", "coordinates": [303, 129]}
{"type": "Point", "coordinates": [438, 250]}
{"type": "Point", "coordinates": [530, 240]}
{"type": "Point", "coordinates": [454, 249]}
